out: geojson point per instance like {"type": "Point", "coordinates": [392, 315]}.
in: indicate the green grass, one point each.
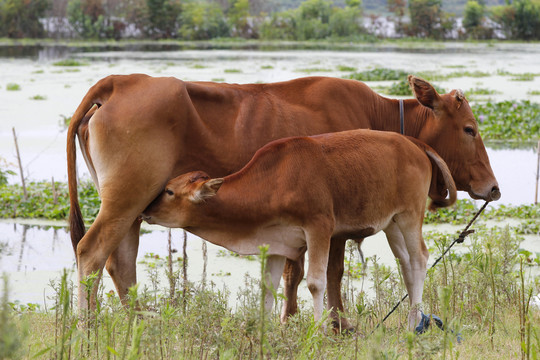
{"type": "Point", "coordinates": [481, 290]}
{"type": "Point", "coordinates": [232, 71]}
{"type": "Point", "coordinates": [266, 67]}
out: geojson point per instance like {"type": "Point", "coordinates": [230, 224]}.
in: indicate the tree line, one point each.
{"type": "Point", "coordinates": [254, 19]}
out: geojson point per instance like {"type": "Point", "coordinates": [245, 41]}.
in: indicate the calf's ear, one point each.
{"type": "Point", "coordinates": [207, 190]}
{"type": "Point", "coordinates": [424, 92]}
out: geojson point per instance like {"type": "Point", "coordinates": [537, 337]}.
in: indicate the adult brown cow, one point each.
{"type": "Point", "coordinates": [145, 131]}
{"type": "Point", "coordinates": [301, 192]}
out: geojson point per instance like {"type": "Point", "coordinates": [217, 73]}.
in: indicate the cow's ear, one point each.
{"type": "Point", "coordinates": [424, 92]}
{"type": "Point", "coordinates": [207, 190]}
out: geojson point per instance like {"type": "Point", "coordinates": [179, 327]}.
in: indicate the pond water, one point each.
{"type": "Point", "coordinates": [48, 93]}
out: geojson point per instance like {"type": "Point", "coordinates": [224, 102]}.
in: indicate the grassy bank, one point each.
{"type": "Point", "coordinates": [481, 291]}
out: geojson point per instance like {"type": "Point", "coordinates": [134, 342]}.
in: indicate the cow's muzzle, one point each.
{"type": "Point", "coordinates": [147, 218]}
{"type": "Point", "coordinates": [495, 194]}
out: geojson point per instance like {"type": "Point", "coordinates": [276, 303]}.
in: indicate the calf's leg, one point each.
{"type": "Point", "coordinates": [318, 247]}
{"type": "Point", "coordinates": [407, 244]}
{"type": "Point", "coordinates": [274, 269]}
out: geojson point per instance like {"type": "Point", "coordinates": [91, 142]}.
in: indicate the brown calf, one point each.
{"type": "Point", "coordinates": [303, 191]}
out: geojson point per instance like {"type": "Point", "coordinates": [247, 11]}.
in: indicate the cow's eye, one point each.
{"type": "Point", "coordinates": [470, 131]}
{"type": "Point", "coordinates": [169, 192]}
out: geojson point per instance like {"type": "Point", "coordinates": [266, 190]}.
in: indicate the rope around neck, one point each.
{"type": "Point", "coordinates": [460, 239]}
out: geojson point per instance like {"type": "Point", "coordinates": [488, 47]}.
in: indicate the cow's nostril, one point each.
{"type": "Point", "coordinates": [495, 193]}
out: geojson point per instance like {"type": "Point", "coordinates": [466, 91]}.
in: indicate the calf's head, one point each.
{"type": "Point", "coordinates": [177, 205]}
{"type": "Point", "coordinates": [452, 131]}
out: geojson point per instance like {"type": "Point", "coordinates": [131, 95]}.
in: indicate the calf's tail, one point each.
{"type": "Point", "coordinates": [97, 95]}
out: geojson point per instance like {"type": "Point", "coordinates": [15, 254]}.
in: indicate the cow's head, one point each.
{"type": "Point", "coordinates": [177, 204]}
{"type": "Point", "coordinates": [452, 131]}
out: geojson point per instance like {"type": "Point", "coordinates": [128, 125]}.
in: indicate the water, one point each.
{"type": "Point", "coordinates": [32, 256]}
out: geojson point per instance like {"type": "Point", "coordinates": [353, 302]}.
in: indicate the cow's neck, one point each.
{"type": "Point", "coordinates": [385, 116]}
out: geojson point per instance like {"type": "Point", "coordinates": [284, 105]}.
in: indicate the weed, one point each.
{"type": "Point", "coordinates": [12, 332]}
{"type": "Point", "coordinates": [266, 67]}
{"type": "Point", "coordinates": [232, 71]}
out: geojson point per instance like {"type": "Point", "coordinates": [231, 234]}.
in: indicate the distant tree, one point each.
{"type": "Point", "coordinates": [518, 20]}
{"type": "Point", "coordinates": [398, 8]}
{"type": "Point", "coordinates": [202, 20]}
{"type": "Point", "coordinates": [428, 19]}
{"type": "Point", "coordinates": [162, 18]}
{"type": "Point", "coordinates": [88, 19]}
{"type": "Point", "coordinates": [347, 21]}
{"type": "Point", "coordinates": [314, 18]}
{"type": "Point", "coordinates": [280, 26]}
{"type": "Point", "coordinates": [20, 18]}
{"type": "Point", "coordinates": [474, 21]}
{"type": "Point", "coordinates": [238, 18]}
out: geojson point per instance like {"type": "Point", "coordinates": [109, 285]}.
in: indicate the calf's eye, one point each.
{"type": "Point", "coordinates": [169, 192]}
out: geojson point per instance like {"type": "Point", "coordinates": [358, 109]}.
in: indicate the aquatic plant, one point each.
{"type": "Point", "coordinates": [379, 74]}
{"type": "Point", "coordinates": [69, 62]}
{"type": "Point", "coordinates": [13, 87]}
{"type": "Point", "coordinates": [516, 120]}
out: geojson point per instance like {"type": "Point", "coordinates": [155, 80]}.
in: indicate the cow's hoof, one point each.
{"type": "Point", "coordinates": [344, 329]}
{"type": "Point", "coordinates": [425, 322]}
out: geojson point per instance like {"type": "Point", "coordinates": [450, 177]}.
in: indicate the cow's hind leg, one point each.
{"type": "Point", "coordinates": [122, 263]}
{"type": "Point", "coordinates": [293, 273]}
{"type": "Point", "coordinates": [407, 244]}
{"type": "Point", "coordinates": [111, 239]}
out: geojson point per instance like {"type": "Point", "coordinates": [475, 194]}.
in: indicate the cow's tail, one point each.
{"type": "Point", "coordinates": [97, 95]}
{"type": "Point", "coordinates": [441, 196]}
